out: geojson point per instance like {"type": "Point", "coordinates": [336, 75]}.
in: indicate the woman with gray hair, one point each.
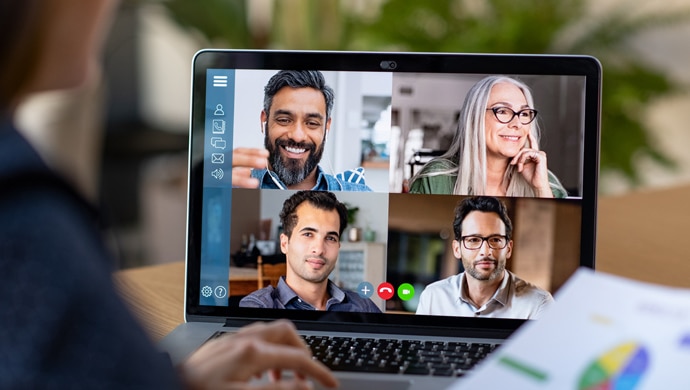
{"type": "Point", "coordinates": [495, 150]}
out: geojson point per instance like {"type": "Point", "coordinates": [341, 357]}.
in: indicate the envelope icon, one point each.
{"type": "Point", "coordinates": [217, 158]}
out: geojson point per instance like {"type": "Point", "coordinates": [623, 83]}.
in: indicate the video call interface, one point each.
{"type": "Point", "coordinates": [386, 127]}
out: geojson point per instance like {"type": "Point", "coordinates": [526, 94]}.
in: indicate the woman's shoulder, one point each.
{"type": "Point", "coordinates": [436, 177]}
{"type": "Point", "coordinates": [556, 187]}
{"type": "Point", "coordinates": [437, 165]}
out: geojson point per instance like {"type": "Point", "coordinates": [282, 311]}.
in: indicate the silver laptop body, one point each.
{"type": "Point", "coordinates": [392, 113]}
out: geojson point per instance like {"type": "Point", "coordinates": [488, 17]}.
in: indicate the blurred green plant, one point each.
{"type": "Point", "coordinates": [472, 26]}
{"type": "Point", "coordinates": [352, 212]}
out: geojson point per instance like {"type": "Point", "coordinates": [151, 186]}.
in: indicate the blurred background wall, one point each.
{"type": "Point", "coordinates": [136, 112]}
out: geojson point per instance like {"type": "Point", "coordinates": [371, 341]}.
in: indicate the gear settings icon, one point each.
{"type": "Point", "coordinates": [206, 291]}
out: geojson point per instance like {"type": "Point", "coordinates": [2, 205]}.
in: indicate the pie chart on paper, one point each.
{"type": "Point", "coordinates": [620, 368]}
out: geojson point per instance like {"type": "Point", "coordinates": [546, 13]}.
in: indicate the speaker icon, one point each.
{"type": "Point", "coordinates": [217, 174]}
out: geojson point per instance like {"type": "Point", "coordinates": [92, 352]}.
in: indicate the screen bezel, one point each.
{"type": "Point", "coordinates": [586, 66]}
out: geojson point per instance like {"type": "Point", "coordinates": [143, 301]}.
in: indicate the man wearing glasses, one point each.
{"type": "Point", "coordinates": [485, 289]}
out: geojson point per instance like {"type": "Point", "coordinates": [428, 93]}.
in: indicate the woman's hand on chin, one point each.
{"type": "Point", "coordinates": [532, 164]}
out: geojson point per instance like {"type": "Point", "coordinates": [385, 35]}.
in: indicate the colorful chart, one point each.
{"type": "Point", "coordinates": [621, 368]}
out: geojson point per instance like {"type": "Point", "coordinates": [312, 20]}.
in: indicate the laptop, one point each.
{"type": "Point", "coordinates": [389, 109]}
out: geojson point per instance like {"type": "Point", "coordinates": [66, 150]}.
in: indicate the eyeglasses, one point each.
{"type": "Point", "coordinates": [495, 241]}
{"type": "Point", "coordinates": [505, 114]}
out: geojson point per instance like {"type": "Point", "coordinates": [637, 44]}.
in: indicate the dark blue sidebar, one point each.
{"type": "Point", "coordinates": [217, 197]}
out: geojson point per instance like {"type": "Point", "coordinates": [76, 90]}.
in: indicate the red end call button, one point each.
{"type": "Point", "coordinates": [385, 291]}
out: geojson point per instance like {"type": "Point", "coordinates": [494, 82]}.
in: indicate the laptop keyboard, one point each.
{"type": "Point", "coordinates": [414, 357]}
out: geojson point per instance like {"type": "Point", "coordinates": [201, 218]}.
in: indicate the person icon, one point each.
{"type": "Point", "coordinates": [219, 110]}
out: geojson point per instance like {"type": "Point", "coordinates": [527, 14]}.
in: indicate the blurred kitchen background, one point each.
{"type": "Point", "coordinates": [124, 134]}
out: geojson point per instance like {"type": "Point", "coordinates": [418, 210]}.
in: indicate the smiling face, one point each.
{"type": "Point", "coordinates": [484, 263]}
{"type": "Point", "coordinates": [295, 129]}
{"type": "Point", "coordinates": [312, 248]}
{"type": "Point", "coordinates": [505, 140]}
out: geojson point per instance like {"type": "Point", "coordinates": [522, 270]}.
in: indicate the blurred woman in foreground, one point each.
{"type": "Point", "coordinates": [63, 324]}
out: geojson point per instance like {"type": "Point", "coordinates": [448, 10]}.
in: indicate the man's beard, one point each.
{"type": "Point", "coordinates": [291, 171]}
{"type": "Point", "coordinates": [497, 272]}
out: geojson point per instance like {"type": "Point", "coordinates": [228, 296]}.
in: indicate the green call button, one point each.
{"type": "Point", "coordinates": [406, 291]}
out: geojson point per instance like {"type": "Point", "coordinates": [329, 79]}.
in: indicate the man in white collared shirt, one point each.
{"type": "Point", "coordinates": [485, 289]}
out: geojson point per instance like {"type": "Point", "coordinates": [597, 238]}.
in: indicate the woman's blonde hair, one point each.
{"type": "Point", "coordinates": [466, 157]}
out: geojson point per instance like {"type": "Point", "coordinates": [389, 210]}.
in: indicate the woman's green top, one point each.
{"type": "Point", "coordinates": [444, 184]}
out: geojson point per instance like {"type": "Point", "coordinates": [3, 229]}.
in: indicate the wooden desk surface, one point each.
{"type": "Point", "coordinates": [633, 233]}
{"type": "Point", "coordinates": [156, 295]}
{"type": "Point", "coordinates": [634, 236]}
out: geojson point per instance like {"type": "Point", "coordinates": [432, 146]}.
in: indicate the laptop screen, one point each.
{"type": "Point", "coordinates": [453, 170]}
